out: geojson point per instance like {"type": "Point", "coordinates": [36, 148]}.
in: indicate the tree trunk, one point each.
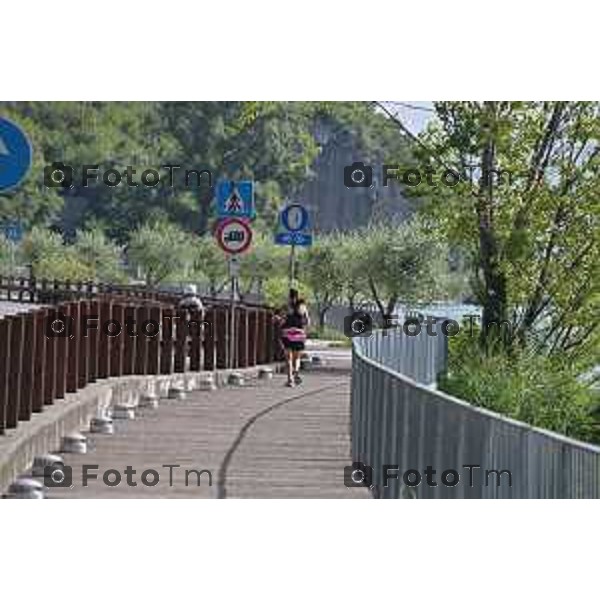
{"type": "Point", "coordinates": [377, 301]}
{"type": "Point", "coordinates": [494, 294]}
{"type": "Point", "coordinates": [322, 313]}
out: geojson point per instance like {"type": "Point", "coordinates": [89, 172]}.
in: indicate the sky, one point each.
{"type": "Point", "coordinates": [414, 114]}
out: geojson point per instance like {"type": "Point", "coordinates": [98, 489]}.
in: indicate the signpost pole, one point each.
{"type": "Point", "coordinates": [292, 266]}
{"type": "Point", "coordinates": [232, 344]}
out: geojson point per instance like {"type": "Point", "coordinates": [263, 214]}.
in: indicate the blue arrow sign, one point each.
{"type": "Point", "coordinates": [293, 238]}
{"type": "Point", "coordinates": [294, 217]}
{"type": "Point", "coordinates": [15, 154]}
{"type": "Point", "coordinates": [235, 199]}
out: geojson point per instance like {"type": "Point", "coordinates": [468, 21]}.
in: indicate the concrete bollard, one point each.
{"type": "Point", "coordinates": [207, 383]}
{"type": "Point", "coordinates": [235, 379]}
{"type": "Point", "coordinates": [162, 388]}
{"type": "Point", "coordinates": [43, 461]}
{"type": "Point", "coordinates": [123, 412]}
{"type": "Point", "coordinates": [26, 488]}
{"type": "Point", "coordinates": [75, 443]}
{"type": "Point", "coordinates": [305, 363]}
{"type": "Point", "coordinates": [148, 400]}
{"type": "Point", "coordinates": [103, 425]}
{"type": "Point", "coordinates": [176, 392]}
{"type": "Point", "coordinates": [265, 373]}
{"type": "Point", "coordinates": [191, 382]}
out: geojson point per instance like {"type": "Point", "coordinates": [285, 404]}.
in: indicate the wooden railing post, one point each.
{"type": "Point", "coordinates": [39, 361]}
{"type": "Point", "coordinates": [252, 337]}
{"type": "Point", "coordinates": [50, 359]}
{"type": "Point", "coordinates": [129, 333]}
{"type": "Point", "coordinates": [62, 325]}
{"type": "Point", "coordinates": [242, 337]}
{"type": "Point", "coordinates": [116, 329]}
{"type": "Point", "coordinates": [103, 340]}
{"type": "Point", "coordinates": [15, 359]}
{"type": "Point", "coordinates": [261, 336]}
{"type": "Point", "coordinates": [72, 346]}
{"type": "Point", "coordinates": [195, 334]}
{"type": "Point", "coordinates": [83, 345]}
{"type": "Point", "coordinates": [166, 344]}
{"type": "Point", "coordinates": [179, 332]}
{"type": "Point", "coordinates": [142, 316]}
{"type": "Point", "coordinates": [221, 313]}
{"type": "Point", "coordinates": [208, 344]}
{"type": "Point", "coordinates": [27, 363]}
{"type": "Point", "coordinates": [91, 330]}
{"type": "Point", "coordinates": [153, 341]}
{"type": "Point", "coordinates": [4, 362]}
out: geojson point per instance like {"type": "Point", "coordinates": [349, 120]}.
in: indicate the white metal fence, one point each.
{"type": "Point", "coordinates": [400, 421]}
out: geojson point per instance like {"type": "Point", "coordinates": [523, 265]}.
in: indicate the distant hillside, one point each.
{"type": "Point", "coordinates": [331, 203]}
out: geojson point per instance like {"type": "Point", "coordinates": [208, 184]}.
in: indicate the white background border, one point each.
{"type": "Point", "coordinates": [316, 50]}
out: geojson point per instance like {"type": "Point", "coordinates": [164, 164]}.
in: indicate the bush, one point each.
{"type": "Point", "coordinates": [6, 256]}
{"type": "Point", "coordinates": [544, 392]}
{"type": "Point", "coordinates": [276, 291]}
{"type": "Point", "coordinates": [63, 267]}
{"type": "Point", "coordinates": [101, 257]}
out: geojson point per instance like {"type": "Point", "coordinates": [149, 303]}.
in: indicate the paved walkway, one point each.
{"type": "Point", "coordinates": [259, 441]}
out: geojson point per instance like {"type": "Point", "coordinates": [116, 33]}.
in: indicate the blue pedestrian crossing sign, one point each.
{"type": "Point", "coordinates": [235, 199]}
{"type": "Point", "coordinates": [15, 154]}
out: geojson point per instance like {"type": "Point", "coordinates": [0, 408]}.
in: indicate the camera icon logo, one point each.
{"type": "Point", "coordinates": [59, 326]}
{"type": "Point", "coordinates": [358, 475]}
{"type": "Point", "coordinates": [58, 174]}
{"type": "Point", "coordinates": [358, 324]}
{"type": "Point", "coordinates": [58, 475]}
{"type": "Point", "coordinates": [358, 175]}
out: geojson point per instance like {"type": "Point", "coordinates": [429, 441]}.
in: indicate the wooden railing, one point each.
{"type": "Point", "coordinates": [48, 352]}
{"type": "Point", "coordinates": [49, 291]}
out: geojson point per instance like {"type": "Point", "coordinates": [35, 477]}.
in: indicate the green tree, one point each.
{"type": "Point", "coordinates": [209, 262]}
{"type": "Point", "coordinates": [404, 263]}
{"type": "Point", "coordinates": [39, 245]}
{"type": "Point", "coordinates": [350, 257]}
{"type": "Point", "coordinates": [7, 253]}
{"type": "Point", "coordinates": [528, 217]}
{"type": "Point", "coordinates": [321, 270]}
{"type": "Point", "coordinates": [264, 260]}
{"type": "Point", "coordinates": [51, 258]}
{"type": "Point", "coordinates": [160, 249]}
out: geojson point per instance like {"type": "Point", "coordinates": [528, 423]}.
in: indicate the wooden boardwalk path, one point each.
{"type": "Point", "coordinates": [259, 441]}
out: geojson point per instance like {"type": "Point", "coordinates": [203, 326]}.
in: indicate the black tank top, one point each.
{"type": "Point", "coordinates": [294, 319]}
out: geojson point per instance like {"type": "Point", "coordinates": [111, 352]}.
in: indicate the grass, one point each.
{"type": "Point", "coordinates": [338, 339]}
{"type": "Point", "coordinates": [533, 388]}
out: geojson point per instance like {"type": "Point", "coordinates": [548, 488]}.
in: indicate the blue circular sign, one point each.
{"type": "Point", "coordinates": [294, 217]}
{"type": "Point", "coordinates": [15, 154]}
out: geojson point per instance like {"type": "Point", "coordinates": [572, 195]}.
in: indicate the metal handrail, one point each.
{"type": "Point", "coordinates": [399, 419]}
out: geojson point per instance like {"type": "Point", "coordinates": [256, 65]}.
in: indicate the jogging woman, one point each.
{"type": "Point", "coordinates": [293, 337]}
